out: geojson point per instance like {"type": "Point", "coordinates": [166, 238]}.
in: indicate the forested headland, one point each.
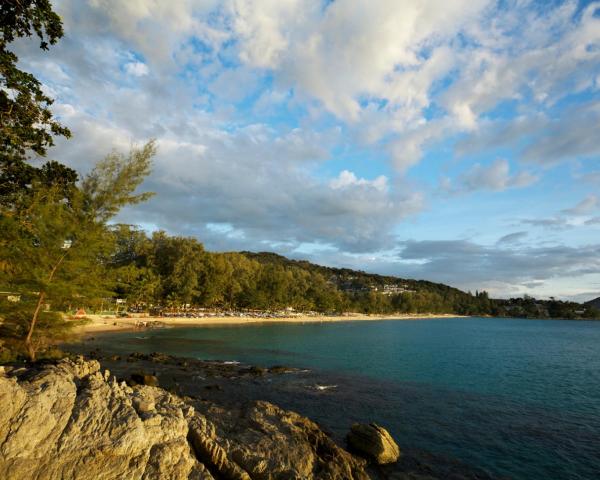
{"type": "Point", "coordinates": [162, 271]}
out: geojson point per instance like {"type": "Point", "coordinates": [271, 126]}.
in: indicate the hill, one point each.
{"type": "Point", "coordinates": [356, 280]}
{"type": "Point", "coordinates": [171, 273]}
{"type": "Point", "coordinates": [383, 293]}
{"type": "Point", "coordinates": [373, 293]}
{"type": "Point", "coordinates": [593, 303]}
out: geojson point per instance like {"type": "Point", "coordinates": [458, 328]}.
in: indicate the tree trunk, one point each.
{"type": "Point", "coordinates": [28, 344]}
{"type": "Point", "coordinates": [38, 307]}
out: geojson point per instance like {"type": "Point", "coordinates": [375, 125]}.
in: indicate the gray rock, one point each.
{"type": "Point", "coordinates": [374, 442]}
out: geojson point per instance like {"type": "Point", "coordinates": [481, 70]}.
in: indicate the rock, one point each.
{"type": "Point", "coordinates": [144, 379]}
{"type": "Point", "coordinates": [72, 421]}
{"type": "Point", "coordinates": [279, 369]}
{"type": "Point", "coordinates": [143, 405]}
{"type": "Point", "coordinates": [268, 443]}
{"type": "Point", "coordinates": [201, 436]}
{"type": "Point", "coordinates": [68, 421]}
{"type": "Point", "coordinates": [160, 357]}
{"type": "Point", "coordinates": [374, 442]}
{"type": "Point", "coordinates": [253, 371]}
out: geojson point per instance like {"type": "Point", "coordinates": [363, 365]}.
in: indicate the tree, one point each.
{"type": "Point", "coordinates": [56, 247]}
{"type": "Point", "coordinates": [26, 122]}
{"type": "Point", "coordinates": [132, 272]}
{"type": "Point", "coordinates": [178, 262]}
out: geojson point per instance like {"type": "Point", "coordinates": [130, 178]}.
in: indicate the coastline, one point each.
{"type": "Point", "coordinates": [106, 324]}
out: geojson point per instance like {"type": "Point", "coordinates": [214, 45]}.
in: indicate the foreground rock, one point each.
{"type": "Point", "coordinates": [71, 421]}
{"type": "Point", "coordinates": [374, 442]}
{"type": "Point", "coordinates": [268, 442]}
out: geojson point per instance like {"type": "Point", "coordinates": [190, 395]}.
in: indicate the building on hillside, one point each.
{"type": "Point", "coordinates": [391, 289]}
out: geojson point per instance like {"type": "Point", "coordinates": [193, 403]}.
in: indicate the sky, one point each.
{"type": "Point", "coordinates": [454, 141]}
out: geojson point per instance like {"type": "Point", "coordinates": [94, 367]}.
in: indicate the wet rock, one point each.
{"type": "Point", "coordinates": [137, 356]}
{"type": "Point", "coordinates": [213, 387]}
{"type": "Point", "coordinates": [157, 357]}
{"type": "Point", "coordinates": [279, 369]}
{"type": "Point", "coordinates": [253, 371]}
{"type": "Point", "coordinates": [144, 379]}
{"type": "Point", "coordinates": [374, 442]}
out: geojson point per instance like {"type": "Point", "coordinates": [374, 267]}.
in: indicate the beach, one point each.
{"type": "Point", "coordinates": [111, 323]}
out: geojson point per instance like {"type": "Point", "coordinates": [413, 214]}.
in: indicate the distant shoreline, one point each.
{"type": "Point", "coordinates": [105, 324]}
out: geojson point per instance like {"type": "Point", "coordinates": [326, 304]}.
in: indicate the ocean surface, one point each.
{"type": "Point", "coordinates": [516, 398]}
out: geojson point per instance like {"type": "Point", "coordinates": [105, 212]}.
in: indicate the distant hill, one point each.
{"type": "Point", "coordinates": [346, 279]}
{"type": "Point", "coordinates": [402, 294]}
{"type": "Point", "coordinates": [593, 303]}
{"type": "Point", "coordinates": [362, 291]}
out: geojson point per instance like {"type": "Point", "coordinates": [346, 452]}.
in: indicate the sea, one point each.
{"type": "Point", "coordinates": [516, 398]}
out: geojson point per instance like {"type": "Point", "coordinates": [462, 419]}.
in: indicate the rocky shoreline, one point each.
{"type": "Point", "coordinates": [74, 419]}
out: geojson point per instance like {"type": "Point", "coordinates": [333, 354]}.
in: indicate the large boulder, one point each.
{"type": "Point", "coordinates": [374, 442]}
{"type": "Point", "coordinates": [263, 441]}
{"type": "Point", "coordinates": [71, 421]}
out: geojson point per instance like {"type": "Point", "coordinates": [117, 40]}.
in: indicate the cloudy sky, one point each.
{"type": "Point", "coordinates": [456, 141]}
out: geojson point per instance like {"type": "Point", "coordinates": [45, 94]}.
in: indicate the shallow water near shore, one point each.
{"type": "Point", "coordinates": [517, 398]}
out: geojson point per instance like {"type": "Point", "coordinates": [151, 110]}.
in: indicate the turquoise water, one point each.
{"type": "Point", "coordinates": [518, 398]}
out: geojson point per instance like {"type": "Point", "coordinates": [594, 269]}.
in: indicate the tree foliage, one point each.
{"type": "Point", "coordinates": [26, 122]}
{"type": "Point", "coordinates": [56, 246]}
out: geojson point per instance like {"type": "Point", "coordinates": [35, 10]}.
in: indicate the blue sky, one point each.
{"type": "Point", "coordinates": [451, 141]}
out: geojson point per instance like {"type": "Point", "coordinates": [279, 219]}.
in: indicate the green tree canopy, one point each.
{"type": "Point", "coordinates": [56, 248]}
{"type": "Point", "coordinates": [26, 122]}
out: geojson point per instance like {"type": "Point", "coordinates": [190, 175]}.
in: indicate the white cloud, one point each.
{"type": "Point", "coordinates": [377, 66]}
{"type": "Point", "coordinates": [348, 179]}
{"type": "Point", "coordinates": [495, 177]}
{"type": "Point", "coordinates": [137, 69]}
{"type": "Point", "coordinates": [316, 77]}
{"type": "Point", "coordinates": [257, 181]}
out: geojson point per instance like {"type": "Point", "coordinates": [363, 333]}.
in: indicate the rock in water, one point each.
{"type": "Point", "coordinates": [144, 379]}
{"type": "Point", "coordinates": [374, 442]}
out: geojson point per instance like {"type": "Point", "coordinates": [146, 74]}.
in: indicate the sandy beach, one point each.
{"type": "Point", "coordinates": [101, 323]}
